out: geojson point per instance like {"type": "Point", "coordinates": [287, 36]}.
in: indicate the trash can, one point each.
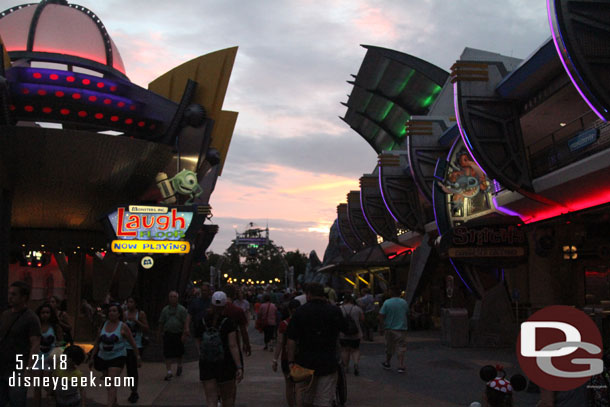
{"type": "Point", "coordinates": [455, 327]}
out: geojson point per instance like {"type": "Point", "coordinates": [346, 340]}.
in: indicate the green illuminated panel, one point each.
{"type": "Point", "coordinates": [385, 113]}
{"type": "Point", "coordinates": [428, 101]}
{"type": "Point", "coordinates": [403, 85]}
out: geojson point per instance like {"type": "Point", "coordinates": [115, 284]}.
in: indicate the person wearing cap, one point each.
{"type": "Point", "coordinates": [219, 377]}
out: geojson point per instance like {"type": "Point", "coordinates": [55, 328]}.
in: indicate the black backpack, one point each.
{"type": "Point", "coordinates": [350, 323]}
{"type": "Point", "coordinates": [211, 348]}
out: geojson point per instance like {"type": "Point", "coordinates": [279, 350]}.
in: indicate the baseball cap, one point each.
{"type": "Point", "coordinates": [219, 299]}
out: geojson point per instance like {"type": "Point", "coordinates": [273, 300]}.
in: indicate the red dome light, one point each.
{"type": "Point", "coordinates": [28, 108]}
{"type": "Point", "coordinates": [47, 110]}
{"type": "Point", "coordinates": [86, 81]}
{"type": "Point", "coordinates": [92, 98]}
{"type": "Point", "coordinates": [76, 96]}
{"type": "Point", "coordinates": [54, 77]}
{"type": "Point", "coordinates": [107, 101]}
{"type": "Point", "coordinates": [70, 79]}
{"type": "Point", "coordinates": [132, 107]}
{"type": "Point", "coordinates": [100, 85]}
{"type": "Point", "coordinates": [99, 116]}
{"type": "Point", "coordinates": [25, 91]}
{"type": "Point", "coordinates": [59, 94]}
{"type": "Point", "coordinates": [113, 89]}
{"type": "Point", "coordinates": [114, 118]}
{"type": "Point", "coordinates": [12, 107]}
{"type": "Point", "coordinates": [65, 112]}
{"type": "Point", "coordinates": [37, 75]}
{"type": "Point", "coordinates": [120, 104]}
{"type": "Point", "coordinates": [128, 121]}
{"type": "Point", "coordinates": [152, 126]}
{"type": "Point", "coordinates": [42, 92]}
{"type": "Point", "coordinates": [82, 113]}
{"type": "Point", "coordinates": [141, 124]}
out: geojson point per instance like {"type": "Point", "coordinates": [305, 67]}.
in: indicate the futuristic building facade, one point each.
{"type": "Point", "coordinates": [497, 170]}
{"type": "Point", "coordinates": [78, 139]}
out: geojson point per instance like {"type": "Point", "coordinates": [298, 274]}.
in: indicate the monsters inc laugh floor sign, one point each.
{"type": "Point", "coordinates": [153, 229]}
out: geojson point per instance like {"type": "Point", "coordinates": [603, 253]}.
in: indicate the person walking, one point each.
{"type": "Point", "coordinates": [242, 302]}
{"type": "Point", "coordinates": [219, 361]}
{"type": "Point", "coordinates": [59, 307]}
{"type": "Point", "coordinates": [138, 325]}
{"type": "Point", "coordinates": [314, 331]}
{"type": "Point", "coordinates": [173, 323]}
{"type": "Point", "coordinates": [267, 320]}
{"type": "Point", "coordinates": [350, 340]}
{"type": "Point", "coordinates": [198, 306]}
{"type": "Point", "coordinates": [393, 322]}
{"type": "Point", "coordinates": [110, 350]}
{"type": "Point", "coordinates": [51, 336]}
{"type": "Point", "coordinates": [367, 304]}
{"type": "Point", "coordinates": [281, 352]}
{"type": "Point", "coordinates": [19, 340]}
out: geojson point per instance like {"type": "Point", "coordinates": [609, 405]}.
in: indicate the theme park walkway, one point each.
{"type": "Point", "coordinates": [436, 376]}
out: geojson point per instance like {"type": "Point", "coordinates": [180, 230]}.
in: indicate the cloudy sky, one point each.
{"type": "Point", "coordinates": [292, 160]}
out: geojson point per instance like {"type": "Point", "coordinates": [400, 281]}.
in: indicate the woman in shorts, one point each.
{"type": "Point", "coordinates": [51, 335]}
{"type": "Point", "coordinates": [110, 350]}
{"type": "Point", "coordinates": [219, 362]}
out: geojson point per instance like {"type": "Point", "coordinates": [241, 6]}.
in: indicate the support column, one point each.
{"type": "Point", "coordinates": [5, 231]}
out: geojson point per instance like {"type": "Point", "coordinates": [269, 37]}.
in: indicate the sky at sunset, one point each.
{"type": "Point", "coordinates": [292, 160]}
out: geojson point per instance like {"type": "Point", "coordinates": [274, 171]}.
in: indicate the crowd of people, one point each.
{"type": "Point", "coordinates": [313, 334]}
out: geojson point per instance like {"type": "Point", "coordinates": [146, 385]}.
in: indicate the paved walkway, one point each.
{"type": "Point", "coordinates": [436, 376]}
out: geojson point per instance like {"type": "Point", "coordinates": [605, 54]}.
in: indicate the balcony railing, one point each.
{"type": "Point", "coordinates": [570, 143]}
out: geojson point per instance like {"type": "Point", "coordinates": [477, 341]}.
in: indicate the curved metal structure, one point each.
{"type": "Point", "coordinates": [581, 34]}
{"type": "Point", "coordinates": [374, 210]}
{"type": "Point", "coordinates": [423, 151]}
{"type": "Point", "coordinates": [399, 193]}
{"type": "Point", "coordinates": [390, 87]}
{"type": "Point", "coordinates": [489, 125]}
{"type": "Point", "coordinates": [345, 229]}
{"type": "Point", "coordinates": [358, 222]}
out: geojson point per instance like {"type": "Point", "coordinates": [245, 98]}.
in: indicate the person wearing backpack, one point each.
{"type": "Point", "coordinates": [350, 340]}
{"type": "Point", "coordinates": [219, 362]}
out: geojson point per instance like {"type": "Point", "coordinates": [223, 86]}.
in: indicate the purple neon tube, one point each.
{"type": "Point", "coordinates": [383, 196]}
{"type": "Point", "coordinates": [364, 213]}
{"type": "Point", "coordinates": [461, 129]}
{"type": "Point", "coordinates": [563, 61]}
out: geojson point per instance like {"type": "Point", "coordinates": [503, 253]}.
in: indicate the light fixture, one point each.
{"type": "Point", "coordinates": [562, 124]}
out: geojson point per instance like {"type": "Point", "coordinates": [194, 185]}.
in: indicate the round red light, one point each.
{"type": "Point", "coordinates": [37, 75]}
{"type": "Point", "coordinates": [64, 111]}
{"type": "Point", "coordinates": [100, 85]}
{"type": "Point", "coordinates": [12, 107]}
{"type": "Point", "coordinates": [82, 113]}
{"type": "Point", "coordinates": [113, 88]}
{"type": "Point", "coordinates": [25, 91]}
{"type": "Point", "coordinates": [59, 93]}
{"type": "Point", "coordinates": [141, 124]}
{"type": "Point", "coordinates": [92, 98]}
{"type": "Point", "coordinates": [128, 121]}
{"type": "Point", "coordinates": [120, 104]}
{"type": "Point", "coordinates": [99, 116]}
{"type": "Point", "coordinates": [54, 77]}
{"type": "Point", "coordinates": [152, 126]}
{"type": "Point", "coordinates": [114, 118]}
{"type": "Point", "coordinates": [47, 109]}
{"type": "Point", "coordinates": [86, 81]}
{"type": "Point", "coordinates": [42, 92]}
{"type": "Point", "coordinates": [107, 101]}
{"type": "Point", "coordinates": [28, 108]}
{"type": "Point", "coordinates": [132, 107]}
{"type": "Point", "coordinates": [76, 96]}
{"type": "Point", "coordinates": [70, 79]}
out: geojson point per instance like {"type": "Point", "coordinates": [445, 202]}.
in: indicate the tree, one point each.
{"type": "Point", "coordinates": [297, 260]}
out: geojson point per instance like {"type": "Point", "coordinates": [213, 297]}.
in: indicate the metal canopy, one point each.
{"type": "Point", "coordinates": [374, 209]}
{"type": "Point", "coordinates": [389, 88]}
{"type": "Point", "coordinates": [359, 224]}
